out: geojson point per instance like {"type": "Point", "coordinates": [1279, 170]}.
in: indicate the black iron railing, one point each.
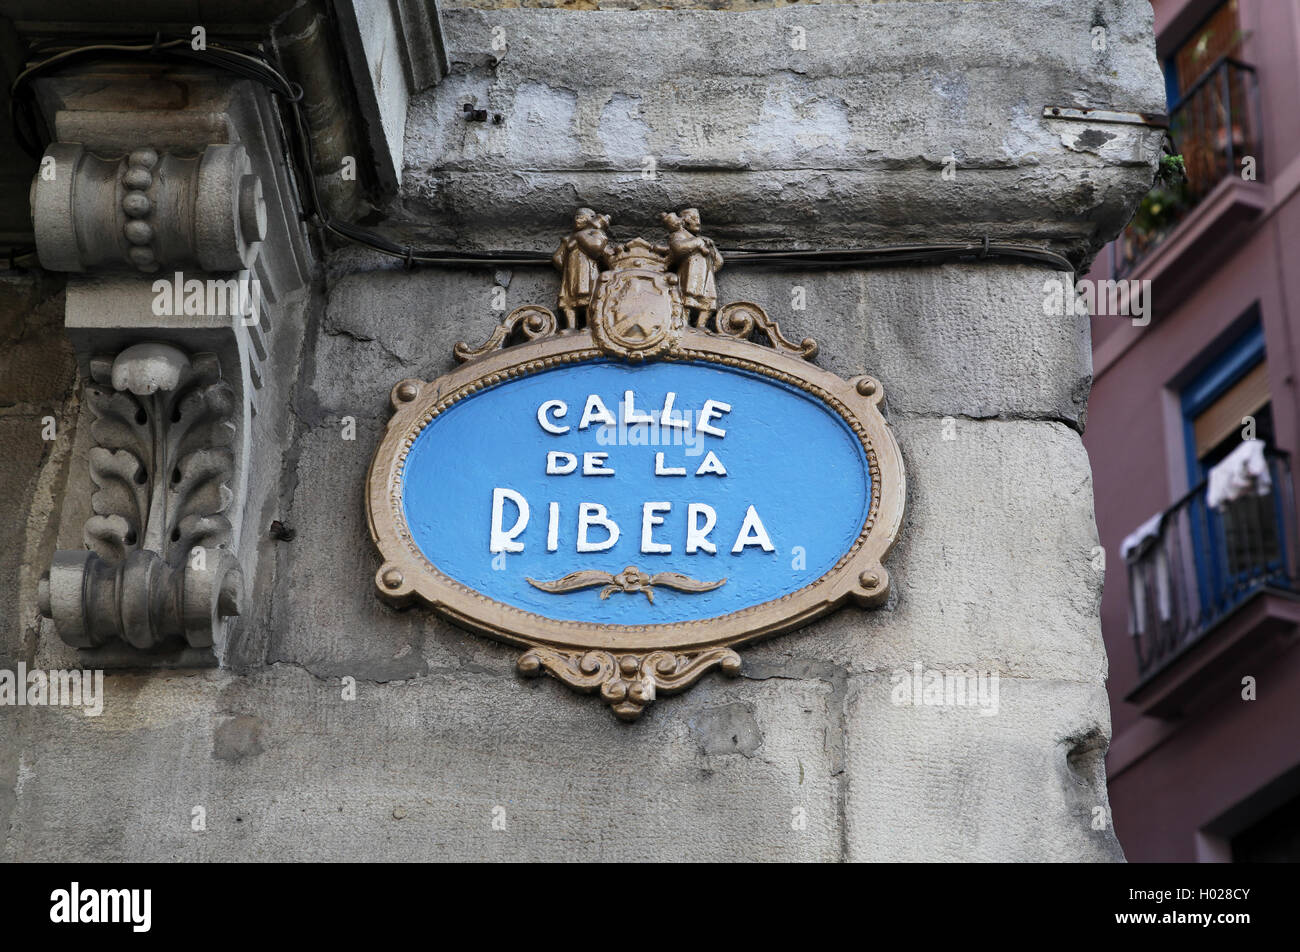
{"type": "Point", "coordinates": [1200, 564]}
{"type": "Point", "coordinates": [1216, 129]}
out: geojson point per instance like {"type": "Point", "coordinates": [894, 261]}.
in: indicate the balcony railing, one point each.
{"type": "Point", "coordinates": [1201, 564]}
{"type": "Point", "coordinates": [1215, 128]}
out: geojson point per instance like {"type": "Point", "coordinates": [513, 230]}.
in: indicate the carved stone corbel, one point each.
{"type": "Point", "coordinates": [159, 565]}
{"type": "Point", "coordinates": [179, 224]}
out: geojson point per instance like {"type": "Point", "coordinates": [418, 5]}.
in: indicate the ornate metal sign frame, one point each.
{"type": "Point", "coordinates": [636, 310]}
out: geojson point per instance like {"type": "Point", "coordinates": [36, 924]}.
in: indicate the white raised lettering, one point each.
{"type": "Point", "coordinates": [666, 418]}
{"type": "Point", "coordinates": [662, 470]}
{"type": "Point", "coordinates": [630, 414]}
{"type": "Point", "coordinates": [503, 540]}
{"type": "Point", "coordinates": [752, 532]}
{"type": "Point", "coordinates": [711, 465]}
{"type": "Point", "coordinates": [593, 514]}
{"type": "Point", "coordinates": [560, 463]}
{"type": "Point", "coordinates": [713, 409]}
{"type": "Point", "coordinates": [649, 519]}
{"type": "Point", "coordinates": [543, 412]}
{"type": "Point", "coordinates": [697, 536]}
{"type": "Point", "coordinates": [596, 412]}
{"type": "Point", "coordinates": [593, 464]}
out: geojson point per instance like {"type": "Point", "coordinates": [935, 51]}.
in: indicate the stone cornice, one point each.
{"type": "Point", "coordinates": [842, 141]}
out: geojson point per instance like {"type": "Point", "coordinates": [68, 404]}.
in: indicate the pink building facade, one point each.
{"type": "Point", "coordinates": [1200, 610]}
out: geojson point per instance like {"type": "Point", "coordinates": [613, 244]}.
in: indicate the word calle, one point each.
{"type": "Point", "coordinates": [594, 411]}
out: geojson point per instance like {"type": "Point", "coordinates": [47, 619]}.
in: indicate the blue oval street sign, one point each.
{"type": "Point", "coordinates": [692, 473]}
{"type": "Point", "coordinates": [633, 488]}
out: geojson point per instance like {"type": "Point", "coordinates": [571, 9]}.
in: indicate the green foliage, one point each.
{"type": "Point", "coordinates": [1167, 201]}
{"type": "Point", "coordinates": [1171, 171]}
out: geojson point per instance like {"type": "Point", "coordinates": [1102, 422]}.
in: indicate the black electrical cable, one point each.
{"type": "Point", "coordinates": [886, 255]}
{"type": "Point", "coordinates": [25, 119]}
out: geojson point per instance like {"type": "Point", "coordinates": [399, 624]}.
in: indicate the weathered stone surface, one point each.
{"type": "Point", "coordinates": [379, 327]}
{"type": "Point", "coordinates": [334, 629]}
{"type": "Point", "coordinates": [22, 455]}
{"type": "Point", "coordinates": [177, 210]}
{"type": "Point", "coordinates": [37, 373]}
{"type": "Point", "coordinates": [958, 340]}
{"type": "Point", "coordinates": [104, 315]}
{"type": "Point", "coordinates": [841, 142]}
{"type": "Point", "coordinates": [419, 770]}
{"type": "Point", "coordinates": [948, 784]}
{"type": "Point", "coordinates": [37, 376]}
{"type": "Point", "coordinates": [37, 369]}
{"type": "Point", "coordinates": [996, 566]}
{"type": "Point", "coordinates": [962, 340]}
{"type": "Point", "coordinates": [992, 572]}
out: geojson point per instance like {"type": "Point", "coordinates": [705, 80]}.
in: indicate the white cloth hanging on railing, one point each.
{"type": "Point", "coordinates": [1243, 472]}
{"type": "Point", "coordinates": [1135, 541]}
{"type": "Point", "coordinates": [1140, 582]}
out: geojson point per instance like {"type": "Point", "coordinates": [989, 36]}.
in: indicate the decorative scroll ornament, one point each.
{"type": "Point", "coordinates": [159, 566]}
{"type": "Point", "coordinates": [628, 682]}
{"type": "Point", "coordinates": [531, 320]}
{"type": "Point", "coordinates": [640, 322]}
{"type": "Point", "coordinates": [630, 580]}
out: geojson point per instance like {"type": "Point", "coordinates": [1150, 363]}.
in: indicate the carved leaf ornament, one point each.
{"type": "Point", "coordinates": [157, 566]}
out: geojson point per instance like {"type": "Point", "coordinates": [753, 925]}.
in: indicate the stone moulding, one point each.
{"type": "Point", "coordinates": [152, 209]}
{"type": "Point", "coordinates": [637, 310]}
{"type": "Point", "coordinates": [158, 565]}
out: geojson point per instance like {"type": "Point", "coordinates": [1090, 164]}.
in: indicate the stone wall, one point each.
{"type": "Point", "coordinates": [807, 755]}
{"type": "Point", "coordinates": [992, 573]}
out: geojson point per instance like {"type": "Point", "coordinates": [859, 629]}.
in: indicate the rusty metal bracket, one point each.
{"type": "Point", "coordinates": [1154, 120]}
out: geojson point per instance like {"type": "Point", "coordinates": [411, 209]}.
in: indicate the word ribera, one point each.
{"type": "Point", "coordinates": [596, 530]}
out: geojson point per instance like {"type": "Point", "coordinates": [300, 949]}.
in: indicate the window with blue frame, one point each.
{"type": "Point", "coordinates": [1233, 387]}
{"type": "Point", "coordinates": [1238, 547]}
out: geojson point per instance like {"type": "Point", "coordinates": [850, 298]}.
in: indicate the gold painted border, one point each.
{"type": "Point", "coordinates": [406, 575]}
